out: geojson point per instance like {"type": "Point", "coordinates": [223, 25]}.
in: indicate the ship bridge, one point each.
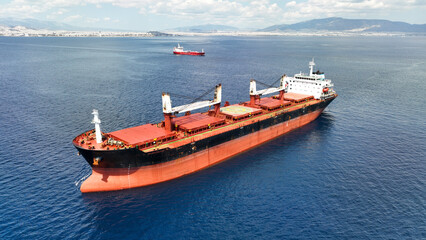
{"type": "Point", "coordinates": [315, 84]}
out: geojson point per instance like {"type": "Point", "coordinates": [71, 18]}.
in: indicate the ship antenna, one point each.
{"type": "Point", "coordinates": [311, 67]}
{"type": "Point", "coordinates": [97, 123]}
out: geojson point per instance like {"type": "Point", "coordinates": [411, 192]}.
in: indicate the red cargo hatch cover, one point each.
{"type": "Point", "coordinates": [270, 103]}
{"type": "Point", "coordinates": [195, 121]}
{"type": "Point", "coordinates": [297, 97]}
{"type": "Point", "coordinates": [140, 134]}
{"type": "Point", "coordinates": [238, 111]}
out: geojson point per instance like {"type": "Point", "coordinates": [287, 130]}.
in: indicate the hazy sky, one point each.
{"type": "Point", "coordinates": [147, 15]}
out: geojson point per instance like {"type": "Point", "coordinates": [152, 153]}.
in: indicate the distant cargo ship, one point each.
{"type": "Point", "coordinates": [179, 50]}
{"type": "Point", "coordinates": [180, 145]}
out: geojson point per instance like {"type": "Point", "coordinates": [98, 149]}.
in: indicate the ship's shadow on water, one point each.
{"type": "Point", "coordinates": [178, 196]}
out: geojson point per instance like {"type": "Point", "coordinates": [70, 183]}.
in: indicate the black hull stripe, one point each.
{"type": "Point", "coordinates": [131, 158]}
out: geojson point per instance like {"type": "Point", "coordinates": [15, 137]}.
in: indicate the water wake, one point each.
{"type": "Point", "coordinates": [81, 180]}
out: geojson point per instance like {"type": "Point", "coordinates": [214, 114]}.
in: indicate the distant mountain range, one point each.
{"type": "Point", "coordinates": [205, 28]}
{"type": "Point", "coordinates": [334, 24]}
{"type": "Point", "coordinates": [31, 23]}
{"type": "Point", "coordinates": [354, 25]}
{"type": "Point", "coordinates": [36, 24]}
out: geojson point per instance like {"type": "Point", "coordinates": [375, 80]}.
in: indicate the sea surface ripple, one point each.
{"type": "Point", "coordinates": [357, 172]}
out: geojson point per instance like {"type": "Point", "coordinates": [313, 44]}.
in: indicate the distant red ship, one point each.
{"type": "Point", "coordinates": [179, 50]}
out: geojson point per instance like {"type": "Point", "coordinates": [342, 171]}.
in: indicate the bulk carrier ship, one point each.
{"type": "Point", "coordinates": [180, 145]}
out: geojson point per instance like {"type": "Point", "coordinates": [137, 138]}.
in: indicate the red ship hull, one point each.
{"type": "Point", "coordinates": [110, 179]}
{"type": "Point", "coordinates": [190, 53]}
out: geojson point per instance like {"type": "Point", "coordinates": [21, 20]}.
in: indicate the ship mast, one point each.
{"type": "Point", "coordinates": [97, 123]}
{"type": "Point", "coordinates": [168, 110]}
{"type": "Point", "coordinates": [254, 94]}
{"type": "Point", "coordinates": [311, 67]}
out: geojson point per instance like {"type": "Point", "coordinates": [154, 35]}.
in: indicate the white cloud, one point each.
{"type": "Point", "coordinates": [72, 18]}
{"type": "Point", "coordinates": [210, 11]}
{"type": "Point", "coordinates": [92, 20]}
{"type": "Point", "coordinates": [25, 8]}
{"type": "Point", "coordinates": [291, 4]}
{"type": "Point", "coordinates": [231, 12]}
{"type": "Point", "coordinates": [219, 11]}
{"type": "Point", "coordinates": [56, 14]}
{"type": "Point", "coordinates": [348, 8]}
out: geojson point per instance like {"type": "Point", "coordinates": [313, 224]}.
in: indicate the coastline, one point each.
{"type": "Point", "coordinates": [20, 31]}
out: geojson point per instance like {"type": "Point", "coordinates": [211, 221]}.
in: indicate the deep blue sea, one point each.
{"type": "Point", "coordinates": [357, 172]}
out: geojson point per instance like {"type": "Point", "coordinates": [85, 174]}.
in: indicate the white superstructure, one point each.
{"type": "Point", "coordinates": [313, 84]}
{"type": "Point", "coordinates": [178, 48]}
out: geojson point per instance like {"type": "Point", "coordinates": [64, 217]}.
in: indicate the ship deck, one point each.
{"type": "Point", "coordinates": [237, 111]}
{"type": "Point", "coordinates": [194, 122]}
{"type": "Point", "coordinates": [194, 127]}
{"type": "Point", "coordinates": [140, 134]}
{"type": "Point", "coordinates": [297, 97]}
{"type": "Point", "coordinates": [270, 103]}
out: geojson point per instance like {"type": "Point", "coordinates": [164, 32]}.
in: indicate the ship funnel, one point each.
{"type": "Point", "coordinates": [97, 123]}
